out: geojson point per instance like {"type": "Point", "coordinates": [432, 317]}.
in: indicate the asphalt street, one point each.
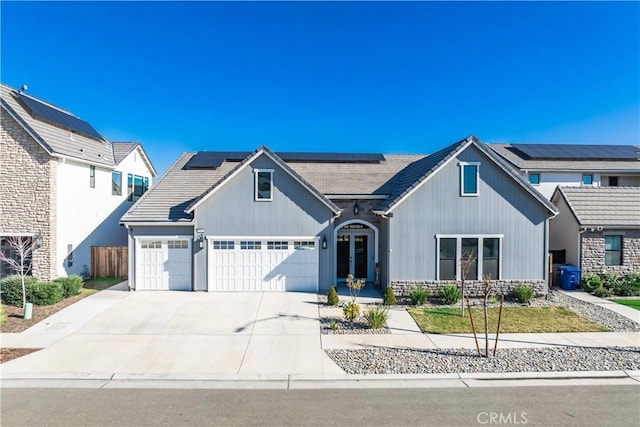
{"type": "Point", "coordinates": [531, 406]}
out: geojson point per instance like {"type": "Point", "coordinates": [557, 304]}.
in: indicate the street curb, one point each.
{"type": "Point", "coordinates": [302, 381]}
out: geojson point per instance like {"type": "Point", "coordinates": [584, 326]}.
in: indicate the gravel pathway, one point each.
{"type": "Point", "coordinates": [429, 361]}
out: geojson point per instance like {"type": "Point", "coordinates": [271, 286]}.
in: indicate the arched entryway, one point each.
{"type": "Point", "coordinates": [355, 244]}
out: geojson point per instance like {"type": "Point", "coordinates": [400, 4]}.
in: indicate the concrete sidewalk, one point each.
{"type": "Point", "coordinates": [622, 310]}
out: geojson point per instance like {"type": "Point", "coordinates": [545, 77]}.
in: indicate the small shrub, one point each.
{"type": "Point", "coordinates": [70, 285]}
{"type": "Point", "coordinates": [629, 286]}
{"type": "Point", "coordinates": [603, 292]}
{"type": "Point", "coordinates": [45, 293]}
{"type": "Point", "coordinates": [523, 293]}
{"type": "Point", "coordinates": [450, 294]}
{"type": "Point", "coordinates": [11, 289]}
{"type": "Point", "coordinates": [611, 280]}
{"type": "Point", "coordinates": [418, 296]}
{"type": "Point", "coordinates": [591, 282]}
{"type": "Point", "coordinates": [351, 311]}
{"type": "Point", "coordinates": [333, 325]}
{"type": "Point", "coordinates": [332, 296]}
{"type": "Point", "coordinates": [389, 298]}
{"type": "Point", "coordinates": [376, 316]}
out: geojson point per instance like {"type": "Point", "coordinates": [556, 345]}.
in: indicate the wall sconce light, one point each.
{"type": "Point", "coordinates": [356, 208]}
{"type": "Point", "coordinates": [200, 232]}
{"type": "Point", "coordinates": [324, 242]}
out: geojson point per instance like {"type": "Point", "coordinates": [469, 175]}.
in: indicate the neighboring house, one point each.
{"type": "Point", "coordinates": [222, 221]}
{"type": "Point", "coordinates": [548, 165]}
{"type": "Point", "coordinates": [598, 228]}
{"type": "Point", "coordinates": [63, 181]}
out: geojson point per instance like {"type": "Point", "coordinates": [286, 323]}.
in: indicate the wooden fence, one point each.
{"type": "Point", "coordinates": [109, 261]}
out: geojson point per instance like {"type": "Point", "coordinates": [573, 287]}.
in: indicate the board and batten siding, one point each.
{"type": "Point", "coordinates": [233, 211]}
{"type": "Point", "coordinates": [502, 207]}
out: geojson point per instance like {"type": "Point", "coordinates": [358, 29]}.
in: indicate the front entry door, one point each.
{"type": "Point", "coordinates": [352, 256]}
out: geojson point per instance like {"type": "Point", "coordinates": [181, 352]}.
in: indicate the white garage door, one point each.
{"type": "Point", "coordinates": [253, 264]}
{"type": "Point", "coordinates": [163, 264]}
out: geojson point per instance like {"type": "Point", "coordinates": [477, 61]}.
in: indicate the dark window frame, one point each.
{"type": "Point", "coordinates": [613, 254]}
{"type": "Point", "coordinates": [116, 184]}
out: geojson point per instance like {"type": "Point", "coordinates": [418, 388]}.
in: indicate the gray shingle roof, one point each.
{"type": "Point", "coordinates": [180, 188]}
{"type": "Point", "coordinates": [517, 159]}
{"type": "Point", "coordinates": [603, 206]}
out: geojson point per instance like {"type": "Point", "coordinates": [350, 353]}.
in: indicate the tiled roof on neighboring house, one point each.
{"type": "Point", "coordinates": [520, 160]}
{"type": "Point", "coordinates": [58, 139]}
{"type": "Point", "coordinates": [55, 139]}
{"type": "Point", "coordinates": [603, 206]}
{"type": "Point", "coordinates": [122, 150]}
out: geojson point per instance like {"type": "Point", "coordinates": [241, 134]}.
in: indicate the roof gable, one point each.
{"type": "Point", "coordinates": [245, 163]}
{"type": "Point", "coordinates": [417, 173]}
{"type": "Point", "coordinates": [122, 149]}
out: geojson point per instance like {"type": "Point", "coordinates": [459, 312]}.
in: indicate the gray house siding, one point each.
{"type": "Point", "coordinates": [147, 230]}
{"type": "Point", "coordinates": [502, 207]}
{"type": "Point", "coordinates": [294, 211]}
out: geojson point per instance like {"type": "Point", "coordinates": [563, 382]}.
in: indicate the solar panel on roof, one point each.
{"type": "Point", "coordinates": [57, 117]}
{"type": "Point", "coordinates": [576, 152]}
{"type": "Point", "coordinates": [213, 159]}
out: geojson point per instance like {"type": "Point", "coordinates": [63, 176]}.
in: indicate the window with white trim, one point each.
{"type": "Point", "coordinates": [473, 257]}
{"type": "Point", "coordinates": [277, 245]}
{"type": "Point", "coordinates": [250, 245]}
{"type": "Point", "coordinates": [469, 173]}
{"type": "Point", "coordinates": [223, 244]}
{"type": "Point", "coordinates": [116, 183]}
{"type": "Point", "coordinates": [263, 185]}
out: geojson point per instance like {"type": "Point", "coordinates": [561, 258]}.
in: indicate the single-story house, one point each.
{"type": "Point", "coordinates": [225, 221]}
{"type": "Point", "coordinates": [598, 228]}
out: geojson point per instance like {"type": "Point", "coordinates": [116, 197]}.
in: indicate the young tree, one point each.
{"type": "Point", "coordinates": [18, 257]}
{"type": "Point", "coordinates": [467, 260]}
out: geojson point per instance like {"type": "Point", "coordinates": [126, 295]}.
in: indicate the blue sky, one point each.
{"type": "Point", "coordinates": [331, 76]}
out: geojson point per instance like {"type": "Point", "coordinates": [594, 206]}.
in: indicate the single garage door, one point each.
{"type": "Point", "coordinates": [163, 264]}
{"type": "Point", "coordinates": [253, 264]}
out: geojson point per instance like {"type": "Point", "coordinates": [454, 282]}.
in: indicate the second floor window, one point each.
{"type": "Point", "coordinates": [116, 183]}
{"type": "Point", "coordinates": [92, 177]}
{"type": "Point", "coordinates": [469, 179]}
{"type": "Point", "coordinates": [136, 186]}
{"type": "Point", "coordinates": [587, 179]}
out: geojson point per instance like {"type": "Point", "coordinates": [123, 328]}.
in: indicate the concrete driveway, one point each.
{"type": "Point", "coordinates": [179, 333]}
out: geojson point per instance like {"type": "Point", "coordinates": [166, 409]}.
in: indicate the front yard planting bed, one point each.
{"type": "Point", "coordinates": [514, 320]}
{"type": "Point", "coordinates": [15, 323]}
{"type": "Point", "coordinates": [630, 302]}
{"type": "Point", "coordinates": [101, 283]}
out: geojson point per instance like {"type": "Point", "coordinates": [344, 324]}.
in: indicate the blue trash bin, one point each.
{"type": "Point", "coordinates": [569, 277]}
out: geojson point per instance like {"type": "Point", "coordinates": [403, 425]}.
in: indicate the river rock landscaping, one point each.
{"type": "Point", "coordinates": [441, 361]}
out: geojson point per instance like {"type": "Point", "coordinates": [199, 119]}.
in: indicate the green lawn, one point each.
{"type": "Point", "coordinates": [101, 283]}
{"type": "Point", "coordinates": [514, 319]}
{"type": "Point", "coordinates": [633, 303]}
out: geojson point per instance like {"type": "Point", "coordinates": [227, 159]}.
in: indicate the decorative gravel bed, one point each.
{"type": "Point", "coordinates": [429, 361]}
{"type": "Point", "coordinates": [344, 327]}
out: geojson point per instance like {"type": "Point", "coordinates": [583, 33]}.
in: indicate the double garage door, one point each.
{"type": "Point", "coordinates": [254, 264]}
{"type": "Point", "coordinates": [163, 264]}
